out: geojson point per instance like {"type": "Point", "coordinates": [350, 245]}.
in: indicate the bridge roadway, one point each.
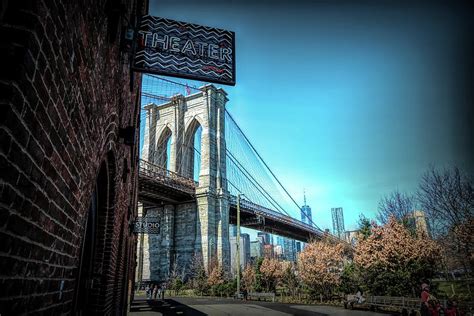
{"type": "Point", "coordinates": [157, 186]}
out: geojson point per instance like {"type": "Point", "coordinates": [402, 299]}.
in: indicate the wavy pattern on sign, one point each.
{"type": "Point", "coordinates": [174, 63]}
{"type": "Point", "coordinates": [154, 22]}
{"type": "Point", "coordinates": [197, 34]}
{"type": "Point", "coordinates": [186, 68]}
{"type": "Point", "coordinates": [146, 54]}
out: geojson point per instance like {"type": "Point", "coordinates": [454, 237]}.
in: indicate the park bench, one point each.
{"type": "Point", "coordinates": [401, 304]}
{"type": "Point", "coordinates": [258, 296]}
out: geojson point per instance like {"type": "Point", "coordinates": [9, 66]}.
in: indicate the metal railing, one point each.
{"type": "Point", "coordinates": [167, 177]}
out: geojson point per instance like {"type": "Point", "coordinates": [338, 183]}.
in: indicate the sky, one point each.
{"type": "Point", "coordinates": [348, 102]}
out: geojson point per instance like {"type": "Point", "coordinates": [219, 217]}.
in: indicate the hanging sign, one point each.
{"type": "Point", "coordinates": [185, 50]}
{"type": "Point", "coordinates": [147, 225]}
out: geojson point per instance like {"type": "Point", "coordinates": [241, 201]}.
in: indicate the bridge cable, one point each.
{"type": "Point", "coordinates": [268, 168]}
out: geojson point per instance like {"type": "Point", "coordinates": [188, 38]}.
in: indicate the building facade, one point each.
{"type": "Point", "coordinates": [338, 228]}
{"type": "Point", "coordinates": [306, 215]}
{"type": "Point", "coordinates": [419, 222]}
{"type": "Point", "coordinates": [287, 249]}
{"type": "Point", "coordinates": [245, 252]}
{"type": "Point", "coordinates": [351, 236]}
{"type": "Point", "coordinates": [265, 238]}
{"type": "Point", "coordinates": [256, 250]}
{"type": "Point", "coordinates": [70, 109]}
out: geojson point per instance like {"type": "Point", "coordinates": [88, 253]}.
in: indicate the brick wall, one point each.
{"type": "Point", "coordinates": [66, 92]}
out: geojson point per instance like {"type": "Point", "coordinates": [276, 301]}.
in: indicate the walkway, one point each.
{"type": "Point", "coordinates": [225, 306]}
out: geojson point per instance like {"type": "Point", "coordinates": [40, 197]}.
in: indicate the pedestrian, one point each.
{"type": "Point", "coordinates": [163, 289]}
{"type": "Point", "coordinates": [147, 291]}
{"type": "Point", "coordinates": [425, 297]}
{"type": "Point", "coordinates": [159, 292]}
{"type": "Point", "coordinates": [155, 291]}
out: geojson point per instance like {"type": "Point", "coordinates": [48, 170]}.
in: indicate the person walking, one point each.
{"type": "Point", "coordinates": [159, 292]}
{"type": "Point", "coordinates": [148, 291]}
{"type": "Point", "coordinates": [155, 291]}
{"type": "Point", "coordinates": [163, 289]}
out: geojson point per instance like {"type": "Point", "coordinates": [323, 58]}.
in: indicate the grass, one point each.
{"type": "Point", "coordinates": [462, 290]}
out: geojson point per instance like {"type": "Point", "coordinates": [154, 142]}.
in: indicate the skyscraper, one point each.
{"type": "Point", "coordinates": [256, 250]}
{"type": "Point", "coordinates": [232, 231]}
{"type": "Point", "coordinates": [338, 222]}
{"type": "Point", "coordinates": [306, 216]}
{"type": "Point", "coordinates": [288, 248]}
{"type": "Point", "coordinates": [265, 238]}
{"type": "Point", "coordinates": [298, 246]}
{"type": "Point", "coordinates": [244, 248]}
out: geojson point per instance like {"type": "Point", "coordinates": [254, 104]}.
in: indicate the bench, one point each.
{"type": "Point", "coordinates": [402, 304]}
{"type": "Point", "coordinates": [258, 296]}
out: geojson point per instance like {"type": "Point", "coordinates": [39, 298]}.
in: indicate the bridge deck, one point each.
{"type": "Point", "coordinates": [158, 185]}
{"type": "Point", "coordinates": [272, 221]}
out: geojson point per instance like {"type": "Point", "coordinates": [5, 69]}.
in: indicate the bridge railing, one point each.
{"type": "Point", "coordinates": [165, 176]}
{"type": "Point", "coordinates": [267, 212]}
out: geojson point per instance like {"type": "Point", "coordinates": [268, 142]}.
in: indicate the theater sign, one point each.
{"type": "Point", "coordinates": [185, 50]}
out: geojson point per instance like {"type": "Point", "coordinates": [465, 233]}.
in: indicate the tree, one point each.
{"type": "Point", "coordinates": [365, 227]}
{"type": "Point", "coordinates": [272, 272]}
{"type": "Point", "coordinates": [392, 261]}
{"type": "Point", "coordinates": [290, 279]}
{"type": "Point", "coordinates": [176, 278]}
{"type": "Point", "coordinates": [320, 265]}
{"type": "Point", "coordinates": [248, 278]}
{"type": "Point", "coordinates": [259, 277]}
{"type": "Point", "coordinates": [198, 275]}
{"type": "Point", "coordinates": [448, 199]}
{"type": "Point", "coordinates": [397, 204]}
{"type": "Point", "coordinates": [216, 277]}
{"type": "Point", "coordinates": [350, 280]}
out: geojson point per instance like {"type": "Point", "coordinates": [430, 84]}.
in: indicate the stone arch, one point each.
{"type": "Point", "coordinates": [190, 153]}
{"type": "Point", "coordinates": [162, 152]}
{"type": "Point", "coordinates": [96, 250]}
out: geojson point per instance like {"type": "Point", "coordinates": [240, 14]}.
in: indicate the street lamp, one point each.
{"type": "Point", "coordinates": [238, 243]}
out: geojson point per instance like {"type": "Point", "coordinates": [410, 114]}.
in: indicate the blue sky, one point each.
{"type": "Point", "coordinates": [349, 102]}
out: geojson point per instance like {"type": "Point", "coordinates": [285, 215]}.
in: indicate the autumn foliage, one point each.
{"type": "Point", "coordinates": [248, 278]}
{"type": "Point", "coordinates": [272, 270]}
{"type": "Point", "coordinates": [320, 265]}
{"type": "Point", "coordinates": [392, 261]}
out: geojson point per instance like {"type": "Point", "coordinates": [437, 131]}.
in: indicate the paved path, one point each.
{"type": "Point", "coordinates": [225, 306]}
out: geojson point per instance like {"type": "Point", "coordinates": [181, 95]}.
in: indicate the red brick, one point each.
{"type": "Point", "coordinates": [65, 94]}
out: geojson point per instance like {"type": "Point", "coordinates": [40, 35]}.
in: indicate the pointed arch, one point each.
{"type": "Point", "coordinates": [191, 164]}
{"type": "Point", "coordinates": [163, 148]}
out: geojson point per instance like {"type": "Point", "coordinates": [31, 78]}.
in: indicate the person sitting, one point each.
{"type": "Point", "coordinates": [359, 297]}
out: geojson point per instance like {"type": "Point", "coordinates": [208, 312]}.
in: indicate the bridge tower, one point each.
{"type": "Point", "coordinates": [194, 228]}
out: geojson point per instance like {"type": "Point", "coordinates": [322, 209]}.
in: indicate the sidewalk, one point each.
{"type": "Point", "coordinates": [226, 306]}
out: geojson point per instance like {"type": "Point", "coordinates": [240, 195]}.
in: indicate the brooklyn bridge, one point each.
{"type": "Point", "coordinates": [197, 166]}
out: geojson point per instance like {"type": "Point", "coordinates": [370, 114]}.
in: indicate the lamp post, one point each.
{"type": "Point", "coordinates": [238, 243]}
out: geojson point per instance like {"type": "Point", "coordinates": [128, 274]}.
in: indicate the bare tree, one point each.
{"type": "Point", "coordinates": [396, 204]}
{"type": "Point", "coordinates": [176, 278]}
{"type": "Point", "coordinates": [447, 197]}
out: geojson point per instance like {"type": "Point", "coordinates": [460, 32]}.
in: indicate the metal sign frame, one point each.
{"type": "Point", "coordinates": [184, 50]}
